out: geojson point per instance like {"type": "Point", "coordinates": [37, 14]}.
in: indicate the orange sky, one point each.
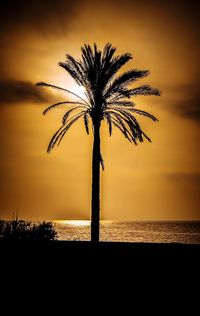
{"type": "Point", "coordinates": [158, 181]}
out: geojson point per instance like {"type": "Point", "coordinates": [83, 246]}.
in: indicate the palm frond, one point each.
{"type": "Point", "coordinates": [132, 123]}
{"type": "Point", "coordinates": [75, 69]}
{"type": "Point", "coordinates": [124, 132]}
{"type": "Point", "coordinates": [70, 69]}
{"type": "Point", "coordinates": [90, 68]}
{"type": "Point", "coordinates": [144, 113]}
{"type": "Point", "coordinates": [130, 134]}
{"type": "Point", "coordinates": [78, 68]}
{"type": "Point", "coordinates": [144, 90]}
{"type": "Point", "coordinates": [114, 66]}
{"type": "Point", "coordinates": [130, 76]}
{"type": "Point", "coordinates": [146, 136]}
{"type": "Point", "coordinates": [87, 57]}
{"type": "Point", "coordinates": [107, 55]}
{"type": "Point", "coordinates": [69, 125]}
{"type": "Point", "coordinates": [66, 115]}
{"type": "Point", "coordinates": [97, 62]}
{"type": "Point", "coordinates": [90, 97]}
{"type": "Point", "coordinates": [118, 95]}
{"type": "Point", "coordinates": [61, 103]}
{"type": "Point", "coordinates": [86, 122]}
{"type": "Point", "coordinates": [125, 79]}
{"type": "Point", "coordinates": [57, 137]}
{"type": "Point", "coordinates": [44, 84]}
{"type": "Point", "coordinates": [109, 121]}
{"type": "Point", "coordinates": [118, 62]}
{"type": "Point", "coordinates": [121, 103]}
{"type": "Point", "coordinates": [102, 162]}
{"type": "Point", "coordinates": [52, 141]}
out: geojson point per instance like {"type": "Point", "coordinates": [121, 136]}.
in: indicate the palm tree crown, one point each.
{"type": "Point", "coordinates": [107, 95]}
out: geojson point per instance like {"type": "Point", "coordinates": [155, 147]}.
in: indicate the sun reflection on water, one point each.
{"type": "Point", "coordinates": [76, 223]}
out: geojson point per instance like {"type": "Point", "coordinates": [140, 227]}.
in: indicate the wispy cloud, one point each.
{"type": "Point", "coordinates": [184, 99]}
{"type": "Point", "coordinates": [189, 178]}
{"type": "Point", "coordinates": [13, 91]}
{"type": "Point", "coordinates": [189, 107]}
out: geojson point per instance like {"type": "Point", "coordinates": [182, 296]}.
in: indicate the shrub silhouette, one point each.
{"type": "Point", "coordinates": [24, 230]}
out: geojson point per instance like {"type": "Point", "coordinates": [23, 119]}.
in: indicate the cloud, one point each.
{"type": "Point", "coordinates": [188, 103]}
{"type": "Point", "coordinates": [13, 91]}
{"type": "Point", "coordinates": [184, 178]}
{"type": "Point", "coordinates": [184, 99]}
{"type": "Point", "coordinates": [190, 107]}
{"type": "Point", "coordinates": [41, 15]}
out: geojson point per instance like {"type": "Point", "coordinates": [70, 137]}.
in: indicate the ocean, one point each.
{"type": "Point", "coordinates": [152, 232]}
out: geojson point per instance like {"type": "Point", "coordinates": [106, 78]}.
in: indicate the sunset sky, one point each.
{"type": "Point", "coordinates": [153, 181]}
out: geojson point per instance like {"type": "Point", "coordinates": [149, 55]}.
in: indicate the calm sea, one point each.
{"type": "Point", "coordinates": [154, 232]}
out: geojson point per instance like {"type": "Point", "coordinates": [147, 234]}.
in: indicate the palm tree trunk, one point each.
{"type": "Point", "coordinates": [95, 185]}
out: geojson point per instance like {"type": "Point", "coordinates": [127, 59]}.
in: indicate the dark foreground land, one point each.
{"type": "Point", "coordinates": [66, 253]}
{"type": "Point", "coordinates": [55, 268]}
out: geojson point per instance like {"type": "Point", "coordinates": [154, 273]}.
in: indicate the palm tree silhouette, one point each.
{"type": "Point", "coordinates": [107, 96]}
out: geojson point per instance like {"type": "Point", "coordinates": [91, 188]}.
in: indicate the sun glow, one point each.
{"type": "Point", "coordinates": [79, 90]}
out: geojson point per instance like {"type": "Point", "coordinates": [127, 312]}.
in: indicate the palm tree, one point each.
{"type": "Point", "coordinates": [107, 96]}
